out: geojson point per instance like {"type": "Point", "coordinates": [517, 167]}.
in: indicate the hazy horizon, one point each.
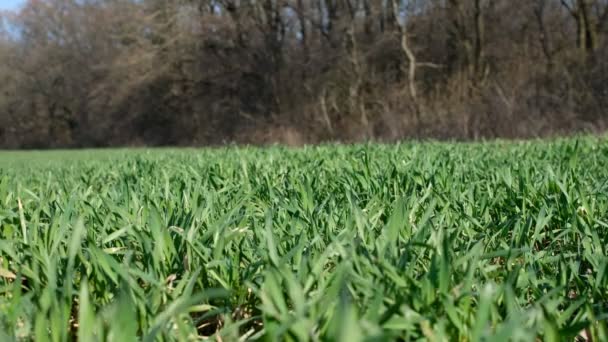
{"type": "Point", "coordinates": [10, 4]}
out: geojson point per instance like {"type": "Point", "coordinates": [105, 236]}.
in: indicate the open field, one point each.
{"type": "Point", "coordinates": [436, 241]}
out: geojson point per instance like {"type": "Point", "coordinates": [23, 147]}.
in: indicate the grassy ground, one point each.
{"type": "Point", "coordinates": [497, 241]}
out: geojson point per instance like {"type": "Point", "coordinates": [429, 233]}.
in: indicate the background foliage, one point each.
{"type": "Point", "coordinates": [80, 73]}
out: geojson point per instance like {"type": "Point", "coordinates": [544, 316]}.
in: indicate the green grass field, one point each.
{"type": "Point", "coordinates": [421, 241]}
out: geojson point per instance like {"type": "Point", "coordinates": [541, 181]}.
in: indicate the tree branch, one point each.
{"type": "Point", "coordinates": [570, 9]}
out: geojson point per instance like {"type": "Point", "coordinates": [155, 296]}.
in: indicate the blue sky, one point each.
{"type": "Point", "coordinates": [10, 4]}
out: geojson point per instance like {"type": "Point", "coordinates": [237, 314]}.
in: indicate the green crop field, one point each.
{"type": "Point", "coordinates": [420, 241]}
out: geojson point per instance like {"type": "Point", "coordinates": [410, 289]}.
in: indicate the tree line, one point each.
{"type": "Point", "coordinates": [76, 73]}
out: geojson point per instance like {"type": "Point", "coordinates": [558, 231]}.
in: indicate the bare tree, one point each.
{"type": "Point", "coordinates": [590, 16]}
{"type": "Point", "coordinates": [115, 72]}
